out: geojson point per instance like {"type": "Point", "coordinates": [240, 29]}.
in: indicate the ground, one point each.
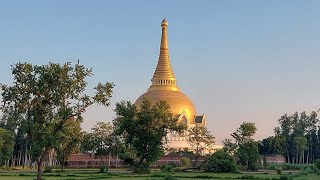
{"type": "Point", "coordinates": [77, 174]}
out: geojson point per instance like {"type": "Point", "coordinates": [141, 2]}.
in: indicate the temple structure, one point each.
{"type": "Point", "coordinates": [164, 87]}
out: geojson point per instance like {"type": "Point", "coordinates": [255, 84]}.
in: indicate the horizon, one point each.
{"type": "Point", "coordinates": [237, 61]}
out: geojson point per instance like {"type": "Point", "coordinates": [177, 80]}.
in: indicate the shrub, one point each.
{"type": "Point", "coordinates": [47, 169]}
{"type": "Point", "coordinates": [103, 170]}
{"type": "Point", "coordinates": [285, 177]}
{"type": "Point", "coordinates": [169, 177]}
{"type": "Point", "coordinates": [168, 168]}
{"type": "Point", "coordinates": [317, 163]}
{"type": "Point", "coordinates": [220, 162]}
{"type": "Point", "coordinates": [247, 177]}
{"type": "Point", "coordinates": [288, 166]}
{"type": "Point", "coordinates": [185, 162]}
{"type": "Point", "coordinates": [309, 170]}
{"type": "Point", "coordinates": [278, 170]}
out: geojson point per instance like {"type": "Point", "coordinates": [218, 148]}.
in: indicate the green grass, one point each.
{"type": "Point", "coordinates": [92, 174]}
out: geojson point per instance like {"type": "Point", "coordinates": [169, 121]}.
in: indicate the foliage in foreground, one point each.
{"type": "Point", "coordinates": [6, 145]}
{"type": "Point", "coordinates": [143, 129]}
{"type": "Point", "coordinates": [289, 166]}
{"type": "Point", "coordinates": [245, 148]}
{"type": "Point", "coordinates": [201, 140]}
{"type": "Point", "coordinates": [221, 162]}
{"type": "Point", "coordinates": [45, 97]}
{"type": "Point", "coordinates": [95, 174]}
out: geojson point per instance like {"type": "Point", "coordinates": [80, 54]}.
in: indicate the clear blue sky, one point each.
{"type": "Point", "coordinates": [237, 60]}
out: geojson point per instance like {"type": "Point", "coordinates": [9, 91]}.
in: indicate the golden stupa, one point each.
{"type": "Point", "coordinates": [164, 85]}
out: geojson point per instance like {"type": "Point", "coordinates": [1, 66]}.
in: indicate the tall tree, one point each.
{"type": "Point", "coordinates": [201, 140]}
{"type": "Point", "coordinates": [229, 146]}
{"type": "Point", "coordinates": [104, 140]}
{"type": "Point", "coordinates": [247, 149]}
{"type": "Point", "coordinates": [144, 129]}
{"type": "Point", "coordinates": [300, 138]}
{"type": "Point", "coordinates": [69, 139]}
{"type": "Point", "coordinates": [47, 96]}
{"type": "Point", "coordinates": [6, 145]}
{"type": "Point", "coordinates": [87, 144]}
{"type": "Point", "coordinates": [301, 145]}
{"type": "Point", "coordinates": [271, 145]}
{"type": "Point", "coordinates": [244, 132]}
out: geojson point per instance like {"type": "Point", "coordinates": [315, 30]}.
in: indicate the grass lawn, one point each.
{"type": "Point", "coordinates": [92, 174]}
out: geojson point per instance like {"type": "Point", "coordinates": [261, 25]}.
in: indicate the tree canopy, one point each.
{"type": "Point", "coordinates": [144, 130]}
{"type": "Point", "coordinates": [47, 96]}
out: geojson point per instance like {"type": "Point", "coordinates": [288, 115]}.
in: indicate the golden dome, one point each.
{"type": "Point", "coordinates": [178, 102]}
{"type": "Point", "coordinates": [164, 86]}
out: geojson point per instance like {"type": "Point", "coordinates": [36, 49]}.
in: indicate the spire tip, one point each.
{"type": "Point", "coordinates": [164, 22]}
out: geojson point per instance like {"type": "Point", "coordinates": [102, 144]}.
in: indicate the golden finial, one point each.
{"type": "Point", "coordinates": [164, 22]}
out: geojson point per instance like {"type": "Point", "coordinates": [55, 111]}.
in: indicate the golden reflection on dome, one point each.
{"type": "Point", "coordinates": [164, 83]}
{"type": "Point", "coordinates": [178, 102]}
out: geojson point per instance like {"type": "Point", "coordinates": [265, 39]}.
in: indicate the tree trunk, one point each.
{"type": "Point", "coordinates": [308, 156]}
{"type": "Point", "coordinates": [62, 164]}
{"type": "Point", "coordinates": [109, 159]}
{"type": "Point", "coordinates": [40, 163]}
{"type": "Point", "coordinates": [101, 162]}
{"type": "Point", "coordinates": [117, 161]}
{"type": "Point", "coordinates": [18, 163]}
{"type": "Point", "coordinates": [196, 156]}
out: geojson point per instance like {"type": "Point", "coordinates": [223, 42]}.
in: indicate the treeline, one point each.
{"type": "Point", "coordinates": [43, 108]}
{"type": "Point", "coordinates": [297, 137]}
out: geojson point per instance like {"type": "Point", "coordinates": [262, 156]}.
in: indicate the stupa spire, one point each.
{"type": "Point", "coordinates": [163, 77]}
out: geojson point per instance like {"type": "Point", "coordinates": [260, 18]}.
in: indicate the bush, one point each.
{"type": "Point", "coordinates": [185, 162]}
{"type": "Point", "coordinates": [103, 170]}
{"type": "Point", "coordinates": [317, 164]}
{"type": "Point", "coordinates": [247, 177]}
{"type": "Point", "coordinates": [47, 169]}
{"type": "Point", "coordinates": [169, 177]}
{"type": "Point", "coordinates": [168, 168]}
{"type": "Point", "coordinates": [285, 177]}
{"type": "Point", "coordinates": [288, 166]}
{"type": "Point", "coordinates": [221, 162]}
{"type": "Point", "coordinates": [309, 170]}
{"type": "Point", "coordinates": [278, 170]}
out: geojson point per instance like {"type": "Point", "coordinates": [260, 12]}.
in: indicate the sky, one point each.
{"type": "Point", "coordinates": [237, 60]}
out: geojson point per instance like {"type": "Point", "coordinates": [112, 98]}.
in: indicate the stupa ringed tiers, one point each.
{"type": "Point", "coordinates": [164, 86]}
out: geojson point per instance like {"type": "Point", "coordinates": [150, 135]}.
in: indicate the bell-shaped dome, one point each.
{"type": "Point", "coordinates": [178, 102]}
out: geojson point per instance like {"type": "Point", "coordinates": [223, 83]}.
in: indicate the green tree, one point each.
{"type": "Point", "coordinates": [248, 155]}
{"type": "Point", "coordinates": [271, 145]}
{"type": "Point", "coordinates": [87, 144]}
{"type": "Point", "coordinates": [144, 129]}
{"type": "Point", "coordinates": [201, 140]}
{"type": "Point", "coordinates": [104, 140]}
{"type": "Point", "coordinates": [70, 138]}
{"type": "Point", "coordinates": [221, 162]}
{"type": "Point", "coordinates": [247, 149]}
{"type": "Point", "coordinates": [229, 146]}
{"type": "Point", "coordinates": [301, 146]}
{"type": "Point", "coordinates": [47, 96]}
{"type": "Point", "coordinates": [244, 132]}
{"type": "Point", "coordinates": [291, 129]}
{"type": "Point", "coordinates": [6, 145]}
